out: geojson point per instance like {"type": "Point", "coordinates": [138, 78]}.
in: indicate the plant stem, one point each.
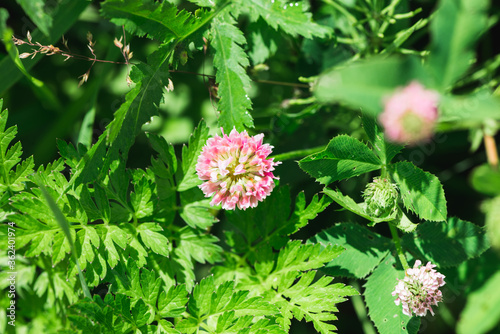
{"type": "Point", "coordinates": [491, 151]}
{"type": "Point", "coordinates": [399, 249]}
{"type": "Point", "coordinates": [360, 309]}
{"type": "Point", "coordinates": [297, 154]}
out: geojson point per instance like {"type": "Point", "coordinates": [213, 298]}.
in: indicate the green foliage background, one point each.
{"type": "Point", "coordinates": [144, 239]}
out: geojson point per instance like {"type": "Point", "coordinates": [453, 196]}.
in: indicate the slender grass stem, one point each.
{"type": "Point", "coordinates": [360, 309]}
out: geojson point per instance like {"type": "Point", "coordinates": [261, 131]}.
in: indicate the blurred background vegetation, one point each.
{"type": "Point", "coordinates": [281, 109]}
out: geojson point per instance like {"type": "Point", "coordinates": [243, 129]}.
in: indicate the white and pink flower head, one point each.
{"type": "Point", "coordinates": [410, 114]}
{"type": "Point", "coordinates": [236, 170]}
{"type": "Point", "coordinates": [419, 290]}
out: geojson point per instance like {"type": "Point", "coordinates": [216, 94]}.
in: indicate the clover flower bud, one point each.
{"type": "Point", "coordinates": [410, 114]}
{"type": "Point", "coordinates": [419, 290]}
{"type": "Point", "coordinates": [236, 170]}
{"type": "Point", "coordinates": [381, 197]}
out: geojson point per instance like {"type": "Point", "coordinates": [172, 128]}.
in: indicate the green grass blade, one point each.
{"type": "Point", "coordinates": [63, 223]}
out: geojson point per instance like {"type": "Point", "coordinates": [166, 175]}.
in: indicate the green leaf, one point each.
{"type": "Point", "coordinates": [403, 222]}
{"type": "Point", "coordinates": [64, 225]}
{"type": "Point", "coordinates": [301, 257]}
{"type": "Point", "coordinates": [160, 21]}
{"type": "Point", "coordinates": [344, 157]}
{"type": "Point", "coordinates": [421, 191]}
{"type": "Point", "coordinates": [303, 213]}
{"type": "Point", "coordinates": [63, 17]}
{"type": "Point", "coordinates": [199, 303]}
{"type": "Point", "coordinates": [447, 244]}
{"type": "Point", "coordinates": [200, 247]}
{"type": "Point", "coordinates": [43, 92]}
{"type": "Point", "coordinates": [385, 150]}
{"type": "Point", "coordinates": [349, 204]}
{"type": "Point", "coordinates": [152, 239]}
{"type": "Point", "coordinates": [141, 102]}
{"type": "Point", "coordinates": [10, 157]}
{"type": "Point", "coordinates": [486, 180]}
{"type": "Point", "coordinates": [60, 247]}
{"type": "Point", "coordinates": [114, 314]}
{"type": "Point", "coordinates": [141, 197]}
{"type": "Point", "coordinates": [472, 109]}
{"type": "Point", "coordinates": [482, 311]}
{"type": "Point", "coordinates": [221, 307]}
{"type": "Point", "coordinates": [385, 314]}
{"type": "Point", "coordinates": [455, 28]}
{"type": "Point", "coordinates": [190, 157]}
{"type": "Point", "coordinates": [111, 235]}
{"type": "Point", "coordinates": [363, 85]}
{"type": "Point", "coordinates": [70, 154]}
{"type": "Point", "coordinates": [102, 202]}
{"type": "Point", "coordinates": [173, 303]}
{"type": "Point", "coordinates": [86, 238]}
{"type": "Point", "coordinates": [233, 82]}
{"type": "Point", "coordinates": [313, 302]}
{"type": "Point", "coordinates": [289, 16]}
{"type": "Point", "coordinates": [263, 42]}
{"type": "Point", "coordinates": [364, 249]}
{"type": "Point", "coordinates": [166, 152]}
{"type": "Point", "coordinates": [30, 231]}
{"type": "Point", "coordinates": [198, 215]}
{"type": "Point", "coordinates": [204, 3]}
{"type": "Point", "coordinates": [270, 224]}
{"type": "Point", "coordinates": [36, 12]}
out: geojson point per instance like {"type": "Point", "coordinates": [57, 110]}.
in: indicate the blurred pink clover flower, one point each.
{"type": "Point", "coordinates": [410, 114]}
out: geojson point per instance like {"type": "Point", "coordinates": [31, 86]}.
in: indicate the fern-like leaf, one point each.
{"type": "Point", "coordinates": [156, 20]}
{"type": "Point", "coordinates": [10, 157]}
{"type": "Point", "coordinates": [289, 16]}
{"type": "Point", "coordinates": [230, 61]}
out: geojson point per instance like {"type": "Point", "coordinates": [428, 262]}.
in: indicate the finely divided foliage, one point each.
{"type": "Point", "coordinates": [117, 249]}
{"type": "Point", "coordinates": [122, 221]}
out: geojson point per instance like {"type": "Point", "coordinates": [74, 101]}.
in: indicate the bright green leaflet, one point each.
{"type": "Point", "coordinates": [421, 191]}
{"type": "Point", "coordinates": [344, 157]}
{"type": "Point", "coordinates": [230, 61]}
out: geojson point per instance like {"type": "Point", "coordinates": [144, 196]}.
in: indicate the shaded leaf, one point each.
{"type": "Point", "coordinates": [190, 155]}
{"type": "Point", "coordinates": [363, 85]}
{"type": "Point", "coordinates": [344, 157]}
{"type": "Point", "coordinates": [482, 311]}
{"type": "Point", "coordinates": [455, 28]}
{"type": "Point", "coordinates": [421, 191]}
{"type": "Point", "coordinates": [289, 16]}
{"type": "Point", "coordinates": [447, 243]}
{"type": "Point", "coordinates": [161, 21]}
{"type": "Point", "coordinates": [364, 249]}
{"type": "Point", "coordinates": [36, 12]}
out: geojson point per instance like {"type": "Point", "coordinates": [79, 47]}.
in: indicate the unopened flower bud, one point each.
{"type": "Point", "coordinates": [381, 197]}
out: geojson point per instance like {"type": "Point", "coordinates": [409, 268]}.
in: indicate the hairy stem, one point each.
{"type": "Point", "coordinates": [297, 154]}
{"type": "Point", "coordinates": [399, 249]}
